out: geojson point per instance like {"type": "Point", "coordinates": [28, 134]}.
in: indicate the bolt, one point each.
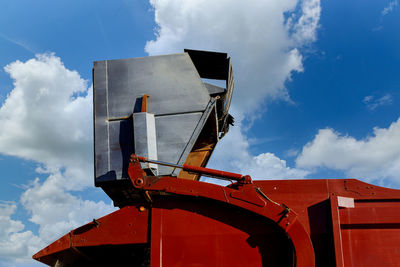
{"type": "Point", "coordinates": [141, 208]}
{"type": "Point", "coordinates": [139, 182]}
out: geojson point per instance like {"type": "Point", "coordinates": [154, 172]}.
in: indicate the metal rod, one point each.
{"type": "Point", "coordinates": [143, 159]}
{"type": "Point", "coordinates": [199, 170]}
{"type": "Point", "coordinates": [120, 118]}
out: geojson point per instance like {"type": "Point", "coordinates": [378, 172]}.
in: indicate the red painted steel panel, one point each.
{"type": "Point", "coordinates": [370, 216]}
{"type": "Point", "coordinates": [203, 233]}
{"type": "Point", "coordinates": [242, 195]}
{"type": "Point", "coordinates": [371, 247]}
{"type": "Point", "coordinates": [371, 234]}
{"type": "Point", "coordinates": [337, 234]}
{"type": "Point", "coordinates": [123, 227]}
{"type": "Point", "coordinates": [366, 235]}
{"type": "Point", "coordinates": [198, 224]}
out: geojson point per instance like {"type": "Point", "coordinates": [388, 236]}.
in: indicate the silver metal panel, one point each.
{"type": "Point", "coordinates": [116, 146]}
{"type": "Point", "coordinates": [230, 85]}
{"type": "Point", "coordinates": [174, 87]}
{"type": "Point", "coordinates": [144, 131]}
{"type": "Point", "coordinates": [120, 148]}
{"type": "Point", "coordinates": [195, 135]}
{"type": "Point", "coordinates": [173, 134]}
{"type": "Point", "coordinates": [171, 81]}
{"type": "Point", "coordinates": [101, 129]}
{"type": "Point", "coordinates": [213, 89]}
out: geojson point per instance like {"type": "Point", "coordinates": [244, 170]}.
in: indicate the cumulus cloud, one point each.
{"type": "Point", "coordinates": [15, 243]}
{"type": "Point", "coordinates": [373, 158]}
{"type": "Point", "coordinates": [268, 166]}
{"type": "Point", "coordinates": [48, 117]}
{"type": "Point", "coordinates": [305, 28]}
{"type": "Point", "coordinates": [57, 211]}
{"type": "Point", "coordinates": [264, 39]}
{"type": "Point", "coordinates": [233, 154]}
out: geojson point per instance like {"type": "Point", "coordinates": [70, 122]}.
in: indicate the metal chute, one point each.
{"type": "Point", "coordinates": [159, 107]}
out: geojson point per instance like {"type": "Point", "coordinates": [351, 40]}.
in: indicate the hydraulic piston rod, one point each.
{"type": "Point", "coordinates": [202, 171]}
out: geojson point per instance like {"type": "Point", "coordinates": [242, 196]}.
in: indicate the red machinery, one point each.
{"type": "Point", "coordinates": [162, 108]}
{"type": "Point", "coordinates": [178, 222]}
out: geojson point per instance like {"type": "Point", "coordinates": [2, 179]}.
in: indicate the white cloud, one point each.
{"type": "Point", "coordinates": [232, 154]}
{"type": "Point", "coordinates": [57, 211]}
{"type": "Point", "coordinates": [267, 166]}
{"type": "Point", "coordinates": [372, 102]}
{"type": "Point", "coordinates": [14, 241]}
{"type": "Point", "coordinates": [264, 39]}
{"type": "Point", "coordinates": [263, 44]}
{"type": "Point", "coordinates": [373, 158]}
{"type": "Point", "coordinates": [389, 8]}
{"type": "Point", "coordinates": [48, 119]}
{"type": "Point", "coordinates": [292, 152]}
{"type": "Point", "coordinates": [305, 28]}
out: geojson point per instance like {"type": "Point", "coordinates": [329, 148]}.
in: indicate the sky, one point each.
{"type": "Point", "coordinates": [316, 96]}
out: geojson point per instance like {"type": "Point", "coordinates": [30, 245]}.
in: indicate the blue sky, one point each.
{"type": "Point", "coordinates": [316, 96]}
{"type": "Point", "coordinates": [352, 58]}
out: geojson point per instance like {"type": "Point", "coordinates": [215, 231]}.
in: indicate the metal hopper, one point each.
{"type": "Point", "coordinates": [159, 107]}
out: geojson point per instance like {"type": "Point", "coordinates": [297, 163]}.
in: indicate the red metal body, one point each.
{"type": "Point", "coordinates": [179, 222]}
